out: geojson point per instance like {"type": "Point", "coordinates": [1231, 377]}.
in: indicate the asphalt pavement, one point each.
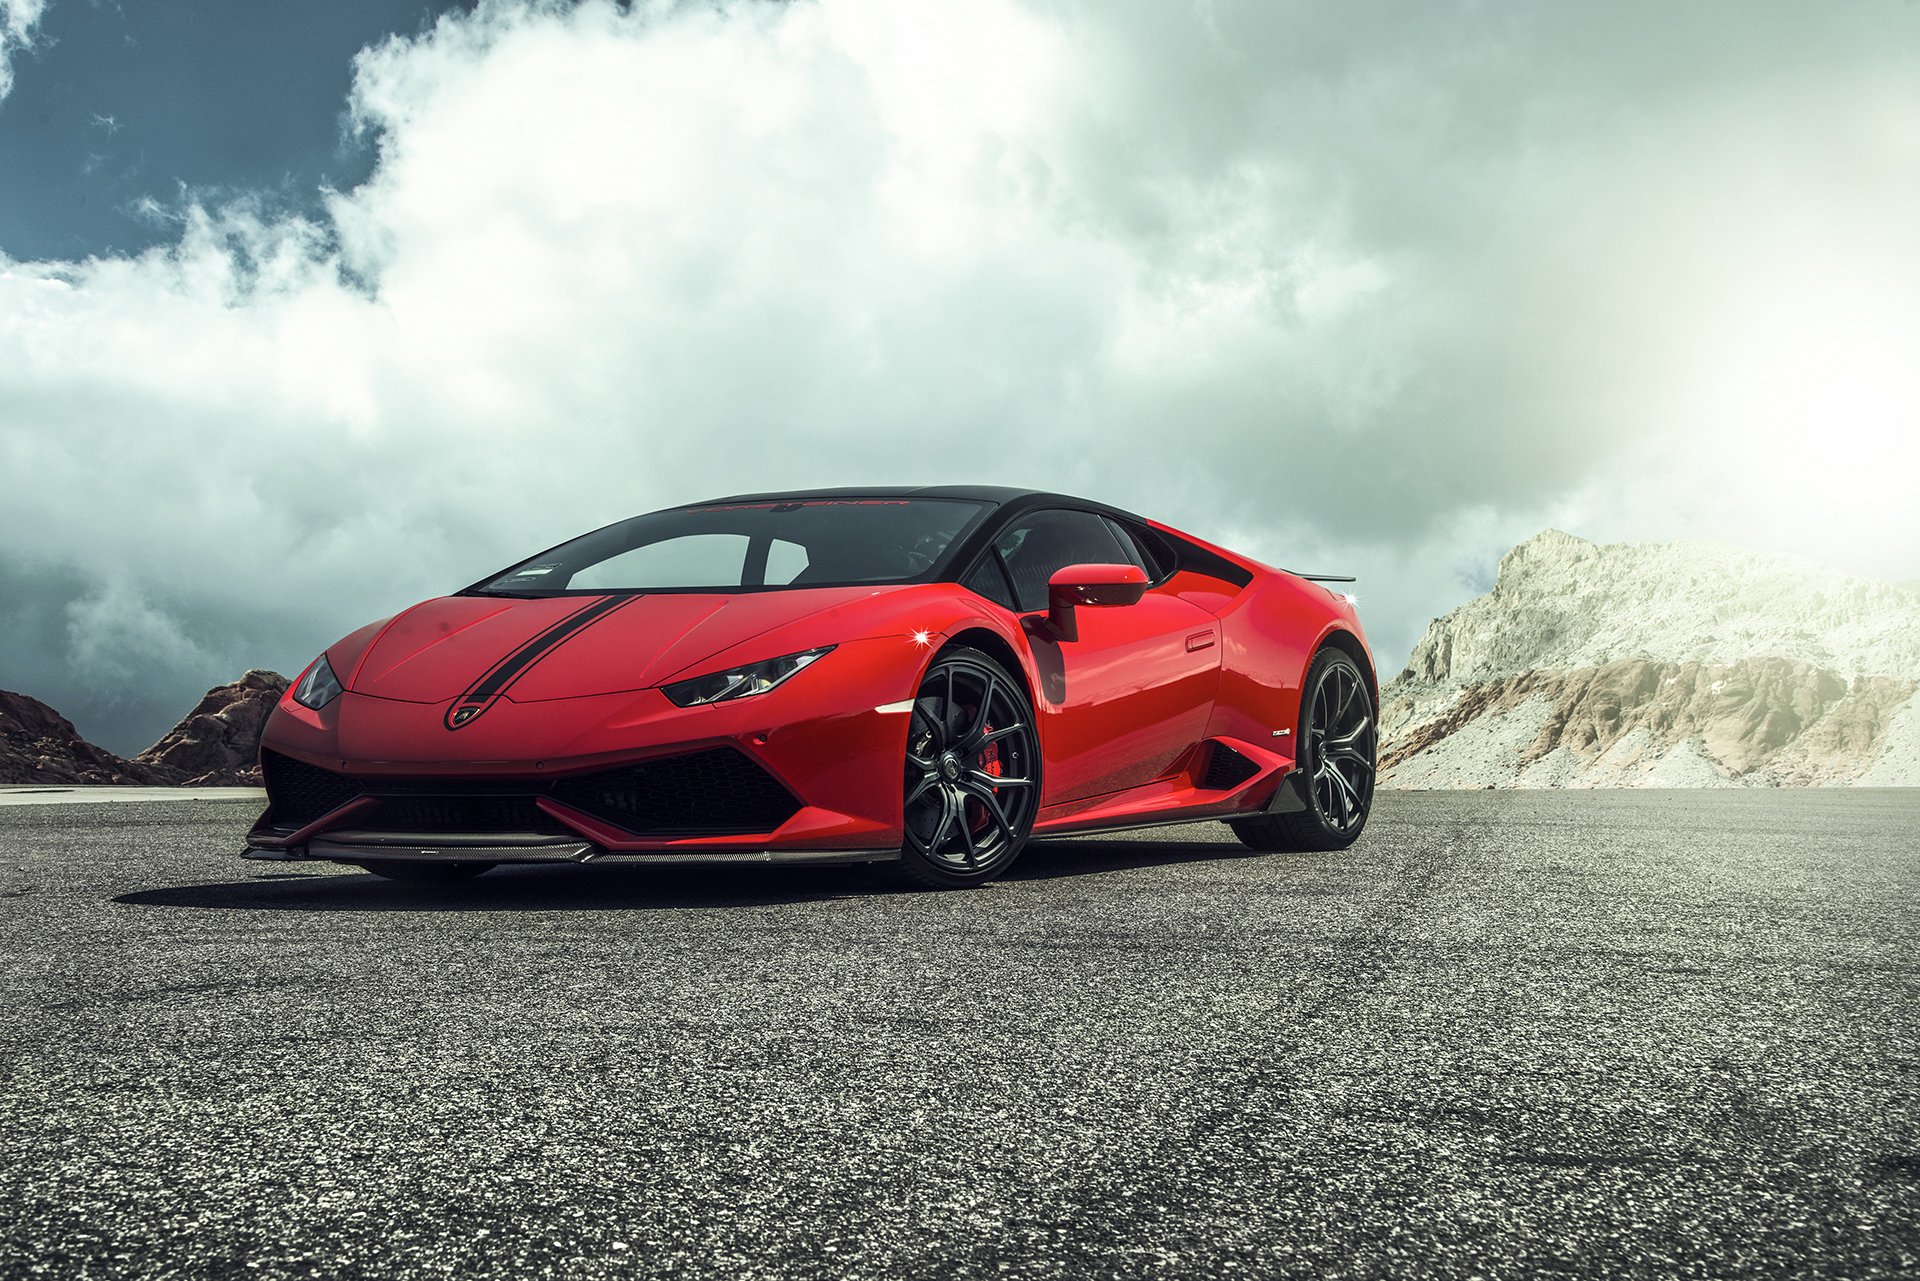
{"type": "Point", "coordinates": [1506, 1035]}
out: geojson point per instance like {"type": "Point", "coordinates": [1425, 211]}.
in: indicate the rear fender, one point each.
{"type": "Point", "coordinates": [1269, 637]}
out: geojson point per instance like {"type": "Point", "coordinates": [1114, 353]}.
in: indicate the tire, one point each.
{"type": "Point", "coordinates": [423, 870]}
{"type": "Point", "coordinates": [1338, 740]}
{"type": "Point", "coordinates": [971, 775]}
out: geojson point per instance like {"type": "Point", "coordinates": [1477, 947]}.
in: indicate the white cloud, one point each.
{"type": "Point", "coordinates": [18, 19]}
{"type": "Point", "coordinates": [1382, 294]}
{"type": "Point", "coordinates": [116, 637]}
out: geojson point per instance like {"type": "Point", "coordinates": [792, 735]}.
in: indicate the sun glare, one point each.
{"type": "Point", "coordinates": [1815, 391]}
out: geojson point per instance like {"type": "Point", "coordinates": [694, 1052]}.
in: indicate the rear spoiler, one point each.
{"type": "Point", "coordinates": [1326, 578]}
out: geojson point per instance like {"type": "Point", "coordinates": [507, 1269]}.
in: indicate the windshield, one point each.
{"type": "Point", "coordinates": [794, 542]}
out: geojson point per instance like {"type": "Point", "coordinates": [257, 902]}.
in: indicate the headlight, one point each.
{"type": "Point", "coordinates": [318, 687]}
{"type": "Point", "coordinates": [740, 682]}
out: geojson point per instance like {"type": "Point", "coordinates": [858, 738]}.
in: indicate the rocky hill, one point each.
{"type": "Point", "coordinates": [217, 744]}
{"type": "Point", "coordinates": [38, 745]}
{"type": "Point", "coordinates": [1660, 665]}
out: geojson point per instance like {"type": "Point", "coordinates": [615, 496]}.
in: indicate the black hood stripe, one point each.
{"type": "Point", "coordinates": [486, 691]}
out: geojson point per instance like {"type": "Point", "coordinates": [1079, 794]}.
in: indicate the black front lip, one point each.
{"type": "Point", "coordinates": [339, 849]}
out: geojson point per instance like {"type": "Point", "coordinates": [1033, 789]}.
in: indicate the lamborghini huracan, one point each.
{"type": "Point", "coordinates": [924, 678]}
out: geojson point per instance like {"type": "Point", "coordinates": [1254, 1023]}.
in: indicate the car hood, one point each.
{"type": "Point", "coordinates": [570, 646]}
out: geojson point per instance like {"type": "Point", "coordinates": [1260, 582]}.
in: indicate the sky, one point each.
{"type": "Point", "coordinates": [310, 311]}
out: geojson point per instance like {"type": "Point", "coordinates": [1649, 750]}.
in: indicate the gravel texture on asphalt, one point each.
{"type": "Point", "coordinates": [1506, 1035]}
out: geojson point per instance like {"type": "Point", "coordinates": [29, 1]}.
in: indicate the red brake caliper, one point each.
{"type": "Point", "coordinates": [977, 816]}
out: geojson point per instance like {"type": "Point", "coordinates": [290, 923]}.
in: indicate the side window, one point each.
{"type": "Point", "coordinates": [1048, 541]}
{"type": "Point", "coordinates": [785, 562]}
{"type": "Point", "coordinates": [987, 580]}
{"type": "Point", "coordinates": [1136, 554]}
{"type": "Point", "coordinates": [692, 560]}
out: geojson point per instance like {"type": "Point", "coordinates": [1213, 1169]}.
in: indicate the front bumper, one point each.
{"type": "Point", "coordinates": [530, 781]}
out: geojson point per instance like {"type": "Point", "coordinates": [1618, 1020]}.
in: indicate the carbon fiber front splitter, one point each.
{"type": "Point", "coordinates": [320, 850]}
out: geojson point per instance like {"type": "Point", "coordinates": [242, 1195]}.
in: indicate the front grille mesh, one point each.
{"type": "Point", "coordinates": [299, 792]}
{"type": "Point", "coordinates": [719, 792]}
{"type": "Point", "coordinates": [460, 814]}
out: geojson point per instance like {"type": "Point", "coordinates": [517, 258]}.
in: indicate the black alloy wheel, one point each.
{"type": "Point", "coordinates": [424, 870]}
{"type": "Point", "coordinates": [1338, 747]}
{"type": "Point", "coordinates": [1338, 743]}
{"type": "Point", "coordinates": [972, 773]}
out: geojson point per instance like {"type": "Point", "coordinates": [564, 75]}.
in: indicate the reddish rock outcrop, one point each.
{"type": "Point", "coordinates": [218, 743]}
{"type": "Point", "coordinates": [38, 745]}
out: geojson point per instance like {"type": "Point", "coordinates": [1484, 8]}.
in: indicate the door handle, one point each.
{"type": "Point", "coordinates": [1198, 641]}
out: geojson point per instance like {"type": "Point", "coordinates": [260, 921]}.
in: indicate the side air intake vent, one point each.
{"type": "Point", "coordinates": [1226, 769]}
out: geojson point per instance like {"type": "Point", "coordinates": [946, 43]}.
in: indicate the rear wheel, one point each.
{"type": "Point", "coordinates": [403, 869]}
{"type": "Point", "coordinates": [1337, 745]}
{"type": "Point", "coordinates": [972, 774]}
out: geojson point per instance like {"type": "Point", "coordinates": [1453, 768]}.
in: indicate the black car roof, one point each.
{"type": "Point", "coordinates": [1001, 494]}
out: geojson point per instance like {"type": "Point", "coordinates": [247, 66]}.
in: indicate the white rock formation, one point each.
{"type": "Point", "coordinates": [1660, 665]}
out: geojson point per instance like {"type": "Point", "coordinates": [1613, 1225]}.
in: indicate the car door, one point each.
{"type": "Point", "coordinates": [1121, 704]}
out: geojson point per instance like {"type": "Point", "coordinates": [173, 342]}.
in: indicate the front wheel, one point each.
{"type": "Point", "coordinates": [972, 773]}
{"type": "Point", "coordinates": [1337, 746]}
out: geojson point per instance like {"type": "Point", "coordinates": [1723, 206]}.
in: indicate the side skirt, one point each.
{"type": "Point", "coordinates": [1290, 797]}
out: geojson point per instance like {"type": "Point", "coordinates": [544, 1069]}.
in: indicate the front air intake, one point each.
{"type": "Point", "coordinates": [715, 792]}
{"type": "Point", "coordinates": [298, 792]}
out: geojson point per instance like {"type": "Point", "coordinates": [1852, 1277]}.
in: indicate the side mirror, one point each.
{"type": "Point", "coordinates": [1090, 585]}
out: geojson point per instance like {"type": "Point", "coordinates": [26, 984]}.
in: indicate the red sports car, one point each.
{"type": "Point", "coordinates": [919, 677]}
